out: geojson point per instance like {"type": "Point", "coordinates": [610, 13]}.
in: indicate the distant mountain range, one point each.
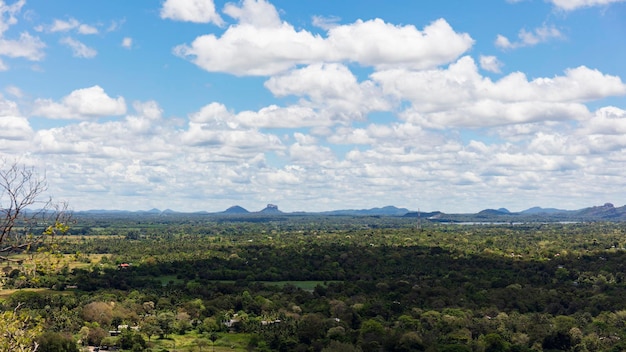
{"type": "Point", "coordinates": [605, 212]}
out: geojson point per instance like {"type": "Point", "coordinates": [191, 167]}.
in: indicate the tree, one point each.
{"type": "Point", "coordinates": [310, 328]}
{"type": "Point", "coordinates": [100, 312]}
{"type": "Point", "coordinates": [213, 337]}
{"type": "Point", "coordinates": [22, 229]}
{"type": "Point", "coordinates": [495, 343]}
{"type": "Point", "coordinates": [129, 340]}
{"type": "Point", "coordinates": [336, 346]}
{"type": "Point", "coordinates": [201, 343]}
{"type": "Point", "coordinates": [95, 335]}
{"type": "Point", "coordinates": [18, 331]}
{"type": "Point", "coordinates": [166, 323]}
{"type": "Point", "coordinates": [56, 342]}
{"type": "Point", "coordinates": [372, 334]}
{"type": "Point", "coordinates": [20, 188]}
{"type": "Point", "coordinates": [151, 327]}
{"type": "Point", "coordinates": [182, 323]}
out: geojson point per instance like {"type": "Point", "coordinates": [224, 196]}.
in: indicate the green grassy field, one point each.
{"type": "Point", "coordinates": [305, 285]}
{"type": "Point", "coordinates": [4, 294]}
{"type": "Point", "coordinates": [195, 342]}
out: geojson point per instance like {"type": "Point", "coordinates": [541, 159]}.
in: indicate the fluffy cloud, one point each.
{"type": "Point", "coordinates": [426, 121]}
{"type": "Point", "coordinates": [26, 46]}
{"type": "Point", "coordinates": [8, 107]}
{"type": "Point", "coordinates": [606, 121]}
{"type": "Point", "coordinates": [247, 50]}
{"type": "Point", "coordinates": [143, 122]}
{"type": "Point", "coordinates": [538, 35]}
{"type": "Point", "coordinates": [274, 116]}
{"type": "Point", "coordinates": [570, 5]}
{"type": "Point", "coordinates": [333, 95]}
{"type": "Point", "coordinates": [379, 44]}
{"type": "Point", "coordinates": [66, 26]}
{"type": "Point", "coordinates": [494, 113]}
{"type": "Point", "coordinates": [142, 132]}
{"type": "Point", "coordinates": [603, 134]}
{"type": "Point", "coordinates": [331, 88]}
{"type": "Point", "coordinates": [490, 63]}
{"type": "Point", "coordinates": [325, 23]}
{"type": "Point", "coordinates": [216, 113]}
{"type": "Point", "coordinates": [257, 13]}
{"type": "Point", "coordinates": [13, 127]}
{"type": "Point", "coordinates": [459, 96]}
{"type": "Point", "coordinates": [401, 138]}
{"type": "Point", "coordinates": [260, 44]}
{"type": "Point", "coordinates": [232, 144]}
{"type": "Point", "coordinates": [8, 13]}
{"type": "Point", "coordinates": [215, 127]}
{"type": "Point", "coordinates": [79, 49]}
{"type": "Point", "coordinates": [81, 104]}
{"type": "Point", "coordinates": [199, 11]}
{"type": "Point", "coordinates": [218, 156]}
{"type": "Point", "coordinates": [127, 42]}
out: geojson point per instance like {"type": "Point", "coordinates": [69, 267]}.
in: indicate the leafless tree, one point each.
{"type": "Point", "coordinates": [27, 217]}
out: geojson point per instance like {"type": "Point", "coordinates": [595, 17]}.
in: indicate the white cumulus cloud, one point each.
{"type": "Point", "coordinates": [332, 88]}
{"type": "Point", "coordinates": [26, 46]}
{"type": "Point", "coordinates": [199, 11]}
{"type": "Point", "coordinates": [529, 38]}
{"type": "Point", "coordinates": [13, 126]}
{"type": "Point", "coordinates": [8, 13]}
{"type": "Point", "coordinates": [261, 44]}
{"type": "Point", "coordinates": [70, 24]}
{"type": "Point", "coordinates": [570, 5]}
{"type": "Point", "coordinates": [460, 96]}
{"type": "Point", "coordinates": [275, 116]}
{"type": "Point", "coordinates": [81, 104]}
{"type": "Point", "coordinates": [213, 126]}
{"type": "Point", "coordinates": [490, 63]}
{"type": "Point", "coordinates": [257, 13]}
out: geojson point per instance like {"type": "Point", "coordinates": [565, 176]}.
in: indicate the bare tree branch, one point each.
{"type": "Point", "coordinates": [26, 217]}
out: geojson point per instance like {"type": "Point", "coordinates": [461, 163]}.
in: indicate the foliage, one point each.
{"type": "Point", "coordinates": [56, 342]}
{"type": "Point", "coordinates": [355, 284]}
{"type": "Point", "coordinates": [18, 331]}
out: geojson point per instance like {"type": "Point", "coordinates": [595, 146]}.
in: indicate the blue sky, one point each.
{"type": "Point", "coordinates": [317, 105]}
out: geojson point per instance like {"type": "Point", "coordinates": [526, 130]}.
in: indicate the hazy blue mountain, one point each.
{"type": "Point", "coordinates": [605, 212]}
{"type": "Point", "coordinates": [493, 212]}
{"type": "Point", "coordinates": [271, 209]}
{"type": "Point", "coordinates": [235, 209]}
{"type": "Point", "coordinates": [540, 210]}
{"type": "Point", "coordinates": [384, 211]}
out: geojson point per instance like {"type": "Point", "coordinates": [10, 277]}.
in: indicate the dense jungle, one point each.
{"type": "Point", "coordinates": [192, 282]}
